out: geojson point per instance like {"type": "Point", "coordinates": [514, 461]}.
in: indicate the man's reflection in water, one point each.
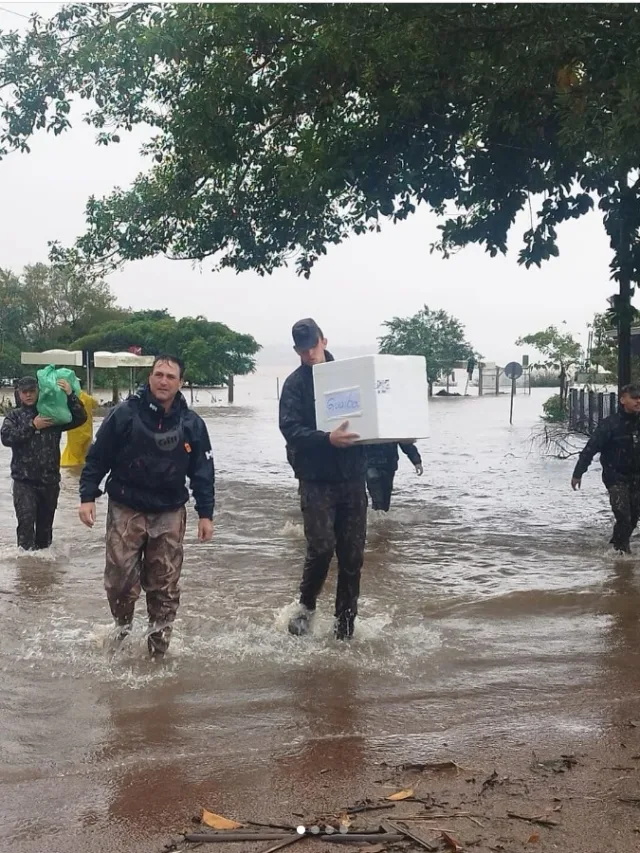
{"type": "Point", "coordinates": [622, 605]}
{"type": "Point", "coordinates": [325, 769]}
{"type": "Point", "coordinates": [37, 577]}
{"type": "Point", "coordinates": [145, 752]}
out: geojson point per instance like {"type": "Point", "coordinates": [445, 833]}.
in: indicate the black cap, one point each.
{"type": "Point", "coordinates": [306, 333]}
{"type": "Point", "coordinates": [27, 383]}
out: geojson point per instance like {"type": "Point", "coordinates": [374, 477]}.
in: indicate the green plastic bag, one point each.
{"type": "Point", "coordinates": [52, 401]}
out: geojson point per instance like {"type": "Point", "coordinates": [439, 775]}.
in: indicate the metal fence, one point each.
{"type": "Point", "coordinates": [588, 408]}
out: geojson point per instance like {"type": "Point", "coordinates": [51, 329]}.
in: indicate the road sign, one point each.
{"type": "Point", "coordinates": [513, 370]}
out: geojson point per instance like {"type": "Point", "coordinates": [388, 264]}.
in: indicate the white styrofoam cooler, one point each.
{"type": "Point", "coordinates": [384, 397]}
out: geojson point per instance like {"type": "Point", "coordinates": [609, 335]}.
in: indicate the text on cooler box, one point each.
{"type": "Point", "coordinates": [343, 403]}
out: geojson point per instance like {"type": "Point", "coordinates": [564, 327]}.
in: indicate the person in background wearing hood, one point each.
{"type": "Point", "coordinates": [617, 440]}
{"type": "Point", "coordinates": [35, 461]}
{"type": "Point", "coordinates": [382, 464]}
{"type": "Point", "coordinates": [330, 468]}
{"type": "Point", "coordinates": [149, 445]}
{"type": "Point", "coordinates": [79, 439]}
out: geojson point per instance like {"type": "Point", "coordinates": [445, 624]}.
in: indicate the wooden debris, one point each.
{"type": "Point", "coordinates": [427, 817]}
{"type": "Point", "coordinates": [368, 807]}
{"type": "Point", "coordinates": [540, 820]}
{"type": "Point", "coordinates": [408, 834]}
{"type": "Point", "coordinates": [634, 801]}
{"type": "Point", "coordinates": [347, 838]}
{"type": "Point", "coordinates": [284, 843]}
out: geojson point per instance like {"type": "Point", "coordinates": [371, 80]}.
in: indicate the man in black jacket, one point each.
{"type": "Point", "coordinates": [331, 472]}
{"type": "Point", "coordinates": [35, 461]}
{"type": "Point", "coordinates": [382, 464]}
{"type": "Point", "coordinates": [617, 440]}
{"type": "Point", "coordinates": [149, 445]}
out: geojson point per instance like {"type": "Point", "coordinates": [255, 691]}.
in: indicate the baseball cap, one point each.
{"type": "Point", "coordinates": [27, 383]}
{"type": "Point", "coordinates": [306, 333]}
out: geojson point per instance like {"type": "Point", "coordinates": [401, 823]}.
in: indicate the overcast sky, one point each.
{"type": "Point", "coordinates": [351, 292]}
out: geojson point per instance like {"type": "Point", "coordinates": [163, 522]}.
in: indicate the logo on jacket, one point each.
{"type": "Point", "coordinates": [168, 441]}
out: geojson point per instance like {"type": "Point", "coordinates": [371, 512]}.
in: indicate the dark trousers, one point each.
{"type": "Point", "coordinates": [335, 520]}
{"type": "Point", "coordinates": [625, 503]}
{"type": "Point", "coordinates": [35, 508]}
{"type": "Point", "coordinates": [380, 486]}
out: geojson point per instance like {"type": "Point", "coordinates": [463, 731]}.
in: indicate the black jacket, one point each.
{"type": "Point", "coordinates": [617, 440]}
{"type": "Point", "coordinates": [384, 456]}
{"type": "Point", "coordinates": [149, 454]}
{"type": "Point", "coordinates": [309, 450]}
{"type": "Point", "coordinates": [36, 453]}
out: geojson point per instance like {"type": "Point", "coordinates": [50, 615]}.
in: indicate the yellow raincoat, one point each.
{"type": "Point", "coordinates": [79, 439]}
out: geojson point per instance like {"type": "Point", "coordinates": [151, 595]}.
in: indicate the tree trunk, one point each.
{"type": "Point", "coordinates": [563, 387]}
{"type": "Point", "coordinates": [115, 388]}
{"type": "Point", "coordinates": [624, 331]}
{"type": "Point", "coordinates": [621, 226]}
{"type": "Point", "coordinates": [430, 387]}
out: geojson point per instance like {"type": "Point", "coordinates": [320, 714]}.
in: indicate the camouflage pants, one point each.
{"type": "Point", "coordinates": [380, 486]}
{"type": "Point", "coordinates": [35, 508]}
{"type": "Point", "coordinates": [625, 503]}
{"type": "Point", "coordinates": [144, 551]}
{"type": "Point", "coordinates": [335, 520]}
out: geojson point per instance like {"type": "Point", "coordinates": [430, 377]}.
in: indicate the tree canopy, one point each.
{"type": "Point", "coordinates": [46, 307]}
{"type": "Point", "coordinates": [279, 129]}
{"type": "Point", "coordinates": [211, 351]}
{"type": "Point", "coordinates": [49, 307]}
{"type": "Point", "coordinates": [436, 335]}
{"type": "Point", "coordinates": [560, 351]}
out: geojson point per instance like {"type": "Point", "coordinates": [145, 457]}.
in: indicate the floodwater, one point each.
{"type": "Point", "coordinates": [491, 612]}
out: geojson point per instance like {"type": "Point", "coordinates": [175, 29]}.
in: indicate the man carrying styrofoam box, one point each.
{"type": "Point", "coordinates": [386, 398]}
{"type": "Point", "coordinates": [330, 463]}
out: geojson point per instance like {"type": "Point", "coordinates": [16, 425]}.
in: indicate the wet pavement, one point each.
{"type": "Point", "coordinates": [492, 613]}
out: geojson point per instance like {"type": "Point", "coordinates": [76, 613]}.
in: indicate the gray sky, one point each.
{"type": "Point", "coordinates": [352, 290]}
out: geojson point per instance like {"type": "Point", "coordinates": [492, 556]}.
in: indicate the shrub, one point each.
{"type": "Point", "coordinates": [555, 411]}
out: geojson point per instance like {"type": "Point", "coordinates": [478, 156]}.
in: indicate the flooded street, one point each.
{"type": "Point", "coordinates": [492, 613]}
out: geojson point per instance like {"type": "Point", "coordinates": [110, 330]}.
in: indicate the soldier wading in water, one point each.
{"type": "Point", "coordinates": [331, 473]}
{"type": "Point", "coordinates": [617, 440]}
{"type": "Point", "coordinates": [35, 461]}
{"type": "Point", "coordinates": [149, 445]}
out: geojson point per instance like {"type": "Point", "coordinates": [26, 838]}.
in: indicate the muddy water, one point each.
{"type": "Point", "coordinates": [492, 613]}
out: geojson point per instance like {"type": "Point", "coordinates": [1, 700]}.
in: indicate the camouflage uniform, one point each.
{"type": "Point", "coordinates": [335, 520]}
{"type": "Point", "coordinates": [625, 503]}
{"type": "Point", "coordinates": [35, 508]}
{"type": "Point", "coordinates": [144, 551]}
{"type": "Point", "coordinates": [617, 440]}
{"type": "Point", "coordinates": [332, 495]}
{"type": "Point", "coordinates": [35, 470]}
